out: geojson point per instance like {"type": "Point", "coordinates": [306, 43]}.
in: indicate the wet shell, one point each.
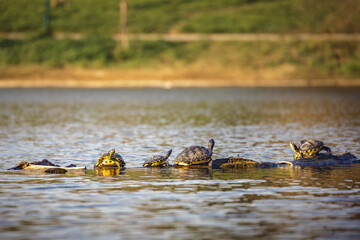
{"type": "Point", "coordinates": [157, 160]}
{"type": "Point", "coordinates": [195, 155]}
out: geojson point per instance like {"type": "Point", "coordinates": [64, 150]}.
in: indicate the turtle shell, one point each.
{"type": "Point", "coordinates": [308, 148]}
{"type": "Point", "coordinates": [311, 146]}
{"type": "Point", "coordinates": [193, 155]}
{"type": "Point", "coordinates": [157, 160]}
{"type": "Point", "coordinates": [115, 161]}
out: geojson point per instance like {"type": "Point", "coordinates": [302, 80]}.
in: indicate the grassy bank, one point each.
{"type": "Point", "coordinates": [309, 61]}
{"type": "Point", "coordinates": [303, 59]}
{"type": "Point", "coordinates": [201, 16]}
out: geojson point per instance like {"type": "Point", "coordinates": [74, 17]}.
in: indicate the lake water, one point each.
{"type": "Point", "coordinates": [77, 125]}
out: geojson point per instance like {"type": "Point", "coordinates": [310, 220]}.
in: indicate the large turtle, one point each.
{"type": "Point", "coordinates": [158, 160]}
{"type": "Point", "coordinates": [110, 159]}
{"type": "Point", "coordinates": [195, 155]}
{"type": "Point", "coordinates": [308, 148]}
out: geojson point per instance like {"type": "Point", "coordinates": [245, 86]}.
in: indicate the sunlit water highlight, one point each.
{"type": "Point", "coordinates": [76, 126]}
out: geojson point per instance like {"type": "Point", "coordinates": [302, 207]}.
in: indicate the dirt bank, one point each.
{"type": "Point", "coordinates": [34, 77]}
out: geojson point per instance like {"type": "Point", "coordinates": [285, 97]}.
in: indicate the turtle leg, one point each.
{"type": "Point", "coordinates": [326, 149]}
{"type": "Point", "coordinates": [296, 150]}
{"type": "Point", "coordinates": [210, 164]}
{"type": "Point", "coordinates": [298, 155]}
{"type": "Point", "coordinates": [98, 163]}
{"type": "Point", "coordinates": [167, 164]}
{"type": "Point", "coordinates": [118, 164]}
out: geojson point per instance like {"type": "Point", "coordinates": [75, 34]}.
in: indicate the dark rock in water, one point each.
{"type": "Point", "coordinates": [321, 159]}
{"type": "Point", "coordinates": [268, 165]}
{"type": "Point", "coordinates": [71, 165]}
{"type": "Point", "coordinates": [45, 162]}
{"type": "Point", "coordinates": [216, 164]}
{"type": "Point", "coordinates": [326, 159]}
{"type": "Point", "coordinates": [329, 156]}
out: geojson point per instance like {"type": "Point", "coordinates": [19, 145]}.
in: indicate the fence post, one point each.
{"type": "Point", "coordinates": [123, 42]}
{"type": "Point", "coordinates": [47, 16]}
{"type": "Point", "coordinates": [123, 24]}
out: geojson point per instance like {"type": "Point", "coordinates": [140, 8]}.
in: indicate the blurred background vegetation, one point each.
{"type": "Point", "coordinates": [99, 20]}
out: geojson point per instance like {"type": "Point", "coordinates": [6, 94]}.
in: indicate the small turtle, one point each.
{"type": "Point", "coordinates": [195, 155]}
{"type": "Point", "coordinates": [110, 159]}
{"type": "Point", "coordinates": [308, 148]}
{"type": "Point", "coordinates": [158, 160]}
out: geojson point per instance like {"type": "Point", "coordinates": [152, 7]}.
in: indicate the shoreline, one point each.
{"type": "Point", "coordinates": [155, 83]}
{"type": "Point", "coordinates": [37, 77]}
{"type": "Point", "coordinates": [192, 37]}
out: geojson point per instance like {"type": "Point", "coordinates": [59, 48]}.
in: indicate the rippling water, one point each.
{"type": "Point", "coordinates": [76, 126]}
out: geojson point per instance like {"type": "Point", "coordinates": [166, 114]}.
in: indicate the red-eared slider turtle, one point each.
{"type": "Point", "coordinates": [158, 160]}
{"type": "Point", "coordinates": [110, 159]}
{"type": "Point", "coordinates": [308, 148]}
{"type": "Point", "coordinates": [195, 155]}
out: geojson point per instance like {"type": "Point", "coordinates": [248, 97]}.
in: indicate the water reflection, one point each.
{"type": "Point", "coordinates": [108, 171]}
{"type": "Point", "coordinates": [193, 202]}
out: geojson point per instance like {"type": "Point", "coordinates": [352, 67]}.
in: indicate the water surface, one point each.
{"type": "Point", "coordinates": [76, 126]}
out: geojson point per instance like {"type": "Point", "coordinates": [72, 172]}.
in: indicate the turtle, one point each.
{"type": "Point", "coordinates": [110, 159]}
{"type": "Point", "coordinates": [158, 160]}
{"type": "Point", "coordinates": [196, 155]}
{"type": "Point", "coordinates": [308, 148]}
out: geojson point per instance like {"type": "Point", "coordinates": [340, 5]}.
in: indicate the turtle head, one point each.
{"type": "Point", "coordinates": [211, 145]}
{"type": "Point", "coordinates": [111, 153]}
{"type": "Point", "coordinates": [295, 148]}
{"type": "Point", "coordinates": [168, 153]}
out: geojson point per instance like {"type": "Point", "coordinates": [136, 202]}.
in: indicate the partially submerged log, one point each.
{"type": "Point", "coordinates": [321, 159]}
{"type": "Point", "coordinates": [45, 166]}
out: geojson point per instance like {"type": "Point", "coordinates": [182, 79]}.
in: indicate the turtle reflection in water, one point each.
{"type": "Point", "coordinates": [158, 160]}
{"type": "Point", "coordinates": [108, 171]}
{"type": "Point", "coordinates": [110, 160]}
{"type": "Point", "coordinates": [308, 148]}
{"type": "Point", "coordinates": [196, 155]}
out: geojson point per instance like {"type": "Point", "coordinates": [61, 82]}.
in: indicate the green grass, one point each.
{"type": "Point", "coordinates": [311, 59]}
{"type": "Point", "coordinates": [280, 16]}
{"type": "Point", "coordinates": [57, 53]}
{"type": "Point", "coordinates": [100, 19]}
{"type": "Point", "coordinates": [203, 16]}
